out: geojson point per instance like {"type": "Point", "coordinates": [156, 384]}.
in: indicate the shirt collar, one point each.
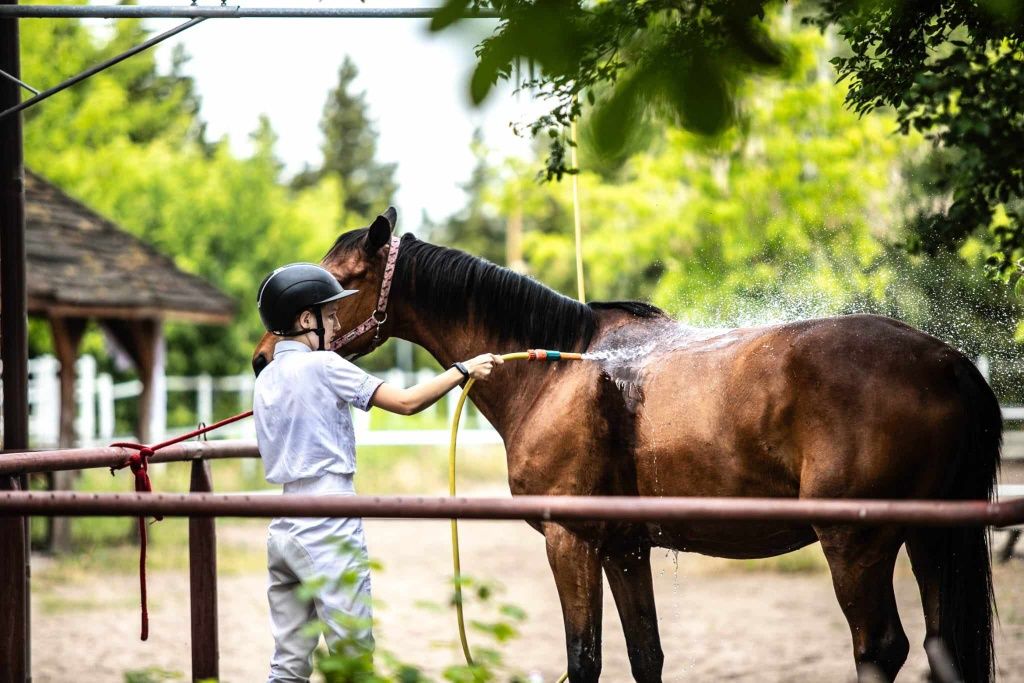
{"type": "Point", "coordinates": [288, 345]}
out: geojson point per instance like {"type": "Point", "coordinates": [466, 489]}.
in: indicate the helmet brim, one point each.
{"type": "Point", "coordinates": [340, 295]}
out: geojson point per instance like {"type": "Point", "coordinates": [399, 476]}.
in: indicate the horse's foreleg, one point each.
{"type": "Point", "coordinates": [861, 562]}
{"type": "Point", "coordinates": [629, 574]}
{"type": "Point", "coordinates": [576, 564]}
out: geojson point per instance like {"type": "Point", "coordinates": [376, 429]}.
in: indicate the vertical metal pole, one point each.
{"type": "Point", "coordinates": [14, 569]}
{"type": "Point", "coordinates": [202, 563]}
{"type": "Point", "coordinates": [14, 645]}
{"type": "Point", "coordinates": [13, 321]}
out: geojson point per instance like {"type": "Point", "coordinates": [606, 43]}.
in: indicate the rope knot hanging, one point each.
{"type": "Point", "coordinates": [139, 464]}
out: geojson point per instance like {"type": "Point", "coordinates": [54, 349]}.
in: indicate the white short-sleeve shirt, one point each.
{"type": "Point", "coordinates": [301, 408]}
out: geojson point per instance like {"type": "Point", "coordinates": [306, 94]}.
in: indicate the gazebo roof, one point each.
{"type": "Point", "coordinates": [80, 264]}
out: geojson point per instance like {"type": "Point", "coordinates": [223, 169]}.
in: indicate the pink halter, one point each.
{"type": "Point", "coordinates": [380, 313]}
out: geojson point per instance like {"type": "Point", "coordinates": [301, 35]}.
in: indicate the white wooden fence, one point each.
{"type": "Point", "coordinates": [97, 395]}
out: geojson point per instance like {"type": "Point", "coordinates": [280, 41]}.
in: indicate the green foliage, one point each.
{"type": "Point", "coordinates": [954, 71]}
{"type": "Point", "coordinates": [129, 143]}
{"type": "Point", "coordinates": [789, 207]}
{"type": "Point", "coordinates": [353, 659]}
{"type": "Point", "coordinates": [793, 213]}
{"type": "Point", "coordinates": [152, 675]}
{"type": "Point", "coordinates": [682, 60]}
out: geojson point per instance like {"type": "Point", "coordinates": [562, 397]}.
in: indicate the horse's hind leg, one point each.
{"type": "Point", "coordinates": [628, 569]}
{"type": "Point", "coordinates": [927, 570]}
{"type": "Point", "coordinates": [576, 564]}
{"type": "Point", "coordinates": [861, 561]}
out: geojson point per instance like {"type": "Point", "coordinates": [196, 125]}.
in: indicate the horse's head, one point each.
{"type": "Point", "coordinates": [358, 260]}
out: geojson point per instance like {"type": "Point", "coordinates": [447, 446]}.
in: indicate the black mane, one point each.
{"type": "Point", "coordinates": [456, 287]}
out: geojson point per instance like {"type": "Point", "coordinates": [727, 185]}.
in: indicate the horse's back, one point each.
{"type": "Point", "coordinates": [856, 406]}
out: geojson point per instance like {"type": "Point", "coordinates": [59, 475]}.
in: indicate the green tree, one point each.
{"type": "Point", "coordinates": [129, 142]}
{"type": "Point", "coordinates": [349, 153]}
{"type": "Point", "coordinates": [952, 69]}
{"type": "Point", "coordinates": [781, 216]}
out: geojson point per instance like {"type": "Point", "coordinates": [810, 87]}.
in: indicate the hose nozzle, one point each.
{"type": "Point", "coordinates": [542, 354]}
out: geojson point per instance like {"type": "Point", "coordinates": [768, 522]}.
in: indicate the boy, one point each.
{"type": "Point", "coordinates": [304, 432]}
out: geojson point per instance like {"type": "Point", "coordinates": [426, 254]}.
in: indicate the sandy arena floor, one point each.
{"type": "Point", "coordinates": [718, 621]}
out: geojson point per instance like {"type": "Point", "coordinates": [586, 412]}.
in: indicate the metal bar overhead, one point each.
{"type": "Point", "coordinates": [223, 12]}
{"type": "Point", "coordinates": [92, 71]}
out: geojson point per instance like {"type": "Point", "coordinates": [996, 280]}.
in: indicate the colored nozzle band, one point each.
{"type": "Point", "coordinates": [541, 354]}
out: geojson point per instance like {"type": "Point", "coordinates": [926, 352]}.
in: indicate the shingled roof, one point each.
{"type": "Point", "coordinates": [80, 264]}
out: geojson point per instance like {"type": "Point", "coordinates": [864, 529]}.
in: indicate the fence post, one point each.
{"type": "Point", "coordinates": [105, 406]}
{"type": "Point", "coordinates": [44, 396]}
{"type": "Point", "coordinates": [204, 398]}
{"type": "Point", "coordinates": [86, 399]}
{"type": "Point", "coordinates": [14, 598]}
{"type": "Point", "coordinates": [202, 564]}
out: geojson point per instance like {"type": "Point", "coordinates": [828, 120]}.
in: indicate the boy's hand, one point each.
{"type": "Point", "coordinates": [481, 366]}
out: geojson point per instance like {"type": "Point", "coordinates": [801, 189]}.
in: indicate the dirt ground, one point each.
{"type": "Point", "coordinates": [719, 620]}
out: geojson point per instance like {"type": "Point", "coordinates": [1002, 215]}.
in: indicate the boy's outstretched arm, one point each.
{"type": "Point", "coordinates": [425, 394]}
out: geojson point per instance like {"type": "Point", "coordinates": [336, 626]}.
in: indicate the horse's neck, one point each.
{"type": "Point", "coordinates": [501, 400]}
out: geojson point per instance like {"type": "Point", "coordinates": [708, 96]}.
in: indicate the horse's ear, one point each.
{"type": "Point", "coordinates": [380, 231]}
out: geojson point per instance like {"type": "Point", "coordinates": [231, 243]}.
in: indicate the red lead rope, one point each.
{"type": "Point", "coordinates": [139, 464]}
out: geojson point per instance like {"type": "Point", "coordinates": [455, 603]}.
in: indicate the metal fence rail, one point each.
{"type": "Point", "coordinates": [202, 506]}
{"type": "Point", "coordinates": [554, 508]}
{"type": "Point", "coordinates": [85, 458]}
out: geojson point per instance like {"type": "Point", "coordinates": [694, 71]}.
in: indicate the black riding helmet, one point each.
{"type": "Point", "coordinates": [292, 289]}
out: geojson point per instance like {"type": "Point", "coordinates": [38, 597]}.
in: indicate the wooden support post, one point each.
{"type": "Point", "coordinates": [14, 599]}
{"type": "Point", "coordinates": [67, 336]}
{"type": "Point", "coordinates": [14, 551]}
{"type": "Point", "coordinates": [202, 562]}
{"type": "Point", "coordinates": [143, 341]}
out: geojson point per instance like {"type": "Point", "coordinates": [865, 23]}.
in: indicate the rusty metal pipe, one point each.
{"type": "Point", "coordinates": [557, 508]}
{"type": "Point", "coordinates": [84, 458]}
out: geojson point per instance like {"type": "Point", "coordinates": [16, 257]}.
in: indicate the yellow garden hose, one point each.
{"type": "Point", "coordinates": [533, 354]}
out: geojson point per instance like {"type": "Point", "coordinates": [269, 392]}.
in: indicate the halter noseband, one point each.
{"type": "Point", "coordinates": [380, 313]}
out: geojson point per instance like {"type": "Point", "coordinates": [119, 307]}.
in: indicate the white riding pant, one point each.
{"type": "Point", "coordinates": [300, 550]}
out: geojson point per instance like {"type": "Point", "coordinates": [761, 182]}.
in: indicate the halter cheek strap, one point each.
{"type": "Point", "coordinates": [379, 315]}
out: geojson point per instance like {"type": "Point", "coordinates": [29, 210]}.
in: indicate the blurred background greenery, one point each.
{"type": "Point", "coordinates": [798, 207]}
{"type": "Point", "coordinates": [726, 176]}
{"type": "Point", "coordinates": [788, 198]}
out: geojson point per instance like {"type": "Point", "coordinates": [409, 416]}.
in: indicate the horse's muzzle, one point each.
{"type": "Point", "coordinates": [258, 363]}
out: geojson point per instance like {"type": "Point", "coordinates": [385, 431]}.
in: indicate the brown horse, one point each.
{"type": "Point", "coordinates": [850, 407]}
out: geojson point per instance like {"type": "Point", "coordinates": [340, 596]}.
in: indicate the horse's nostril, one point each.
{"type": "Point", "coordinates": [258, 363]}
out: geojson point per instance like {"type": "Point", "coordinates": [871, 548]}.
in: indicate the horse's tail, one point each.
{"type": "Point", "coordinates": [966, 599]}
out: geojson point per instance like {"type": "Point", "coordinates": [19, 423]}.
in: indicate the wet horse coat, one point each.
{"type": "Point", "coordinates": [855, 406]}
